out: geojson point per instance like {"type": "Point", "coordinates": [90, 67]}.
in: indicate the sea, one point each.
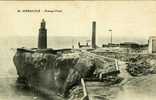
{"type": "Point", "coordinates": [143, 88]}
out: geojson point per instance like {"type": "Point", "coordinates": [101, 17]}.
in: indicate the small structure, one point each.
{"type": "Point", "coordinates": [152, 44]}
{"type": "Point", "coordinates": [42, 39]}
{"type": "Point", "coordinates": [83, 45]}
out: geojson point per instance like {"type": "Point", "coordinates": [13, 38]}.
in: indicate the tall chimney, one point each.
{"type": "Point", "coordinates": [94, 34]}
{"type": "Point", "coordinates": [42, 39]}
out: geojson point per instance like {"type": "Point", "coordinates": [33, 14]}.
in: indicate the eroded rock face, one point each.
{"type": "Point", "coordinates": [59, 72]}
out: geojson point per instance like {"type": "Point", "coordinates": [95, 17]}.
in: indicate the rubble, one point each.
{"type": "Point", "coordinates": [142, 65]}
{"type": "Point", "coordinates": [137, 64]}
{"type": "Point", "coordinates": [76, 93]}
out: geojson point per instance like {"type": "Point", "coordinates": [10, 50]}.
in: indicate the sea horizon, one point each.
{"type": "Point", "coordinates": [58, 42]}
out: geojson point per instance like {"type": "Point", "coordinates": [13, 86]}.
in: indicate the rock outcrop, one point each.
{"type": "Point", "coordinates": [59, 71]}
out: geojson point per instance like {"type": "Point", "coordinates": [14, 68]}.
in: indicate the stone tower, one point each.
{"type": "Point", "coordinates": [93, 34]}
{"type": "Point", "coordinates": [42, 38]}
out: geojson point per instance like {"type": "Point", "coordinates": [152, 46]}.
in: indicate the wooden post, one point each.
{"type": "Point", "coordinates": [116, 64]}
{"type": "Point", "coordinates": [85, 97]}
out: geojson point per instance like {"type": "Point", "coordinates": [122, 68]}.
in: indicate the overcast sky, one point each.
{"type": "Point", "coordinates": [126, 18]}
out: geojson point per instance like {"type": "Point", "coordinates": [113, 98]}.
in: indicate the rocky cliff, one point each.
{"type": "Point", "coordinates": [59, 71]}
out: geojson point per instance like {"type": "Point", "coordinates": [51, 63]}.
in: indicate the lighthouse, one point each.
{"type": "Point", "coordinates": [42, 38]}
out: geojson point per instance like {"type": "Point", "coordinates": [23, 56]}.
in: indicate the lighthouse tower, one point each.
{"type": "Point", "coordinates": [42, 38]}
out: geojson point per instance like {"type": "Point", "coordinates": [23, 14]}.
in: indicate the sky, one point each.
{"type": "Point", "coordinates": [135, 19]}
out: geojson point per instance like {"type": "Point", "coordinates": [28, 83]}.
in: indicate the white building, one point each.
{"type": "Point", "coordinates": [152, 44]}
